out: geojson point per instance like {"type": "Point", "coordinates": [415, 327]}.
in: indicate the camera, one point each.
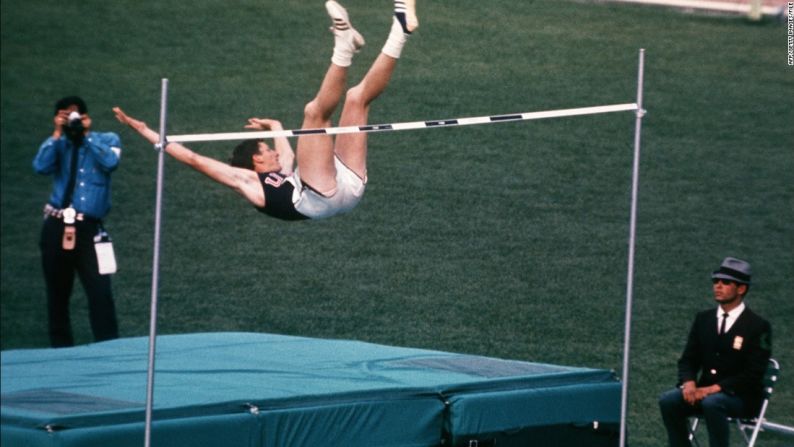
{"type": "Point", "coordinates": [74, 126]}
{"type": "Point", "coordinates": [75, 121]}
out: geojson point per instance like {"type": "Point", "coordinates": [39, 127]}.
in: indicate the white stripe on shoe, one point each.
{"type": "Point", "coordinates": [405, 11]}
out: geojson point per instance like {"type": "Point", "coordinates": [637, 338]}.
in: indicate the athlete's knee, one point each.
{"type": "Point", "coordinates": [314, 115]}
{"type": "Point", "coordinates": [355, 98]}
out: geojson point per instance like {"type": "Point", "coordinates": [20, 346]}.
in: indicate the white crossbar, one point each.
{"type": "Point", "coordinates": [744, 7]}
{"type": "Point", "coordinates": [192, 138]}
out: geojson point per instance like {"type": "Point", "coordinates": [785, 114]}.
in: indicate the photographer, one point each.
{"type": "Point", "coordinates": [73, 238]}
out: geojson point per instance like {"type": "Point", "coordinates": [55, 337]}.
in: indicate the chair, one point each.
{"type": "Point", "coordinates": [755, 424]}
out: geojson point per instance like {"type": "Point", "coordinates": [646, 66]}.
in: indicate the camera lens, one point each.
{"type": "Point", "coordinates": [74, 127]}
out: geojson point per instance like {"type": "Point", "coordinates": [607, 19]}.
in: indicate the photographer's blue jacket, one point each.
{"type": "Point", "coordinates": [98, 157]}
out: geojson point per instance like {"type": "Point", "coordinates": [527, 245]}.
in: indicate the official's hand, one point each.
{"type": "Point", "coordinates": [689, 391]}
{"type": "Point", "coordinates": [701, 393]}
{"type": "Point", "coordinates": [264, 124]}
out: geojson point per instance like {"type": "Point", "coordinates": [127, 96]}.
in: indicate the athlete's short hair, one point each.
{"type": "Point", "coordinates": [243, 153]}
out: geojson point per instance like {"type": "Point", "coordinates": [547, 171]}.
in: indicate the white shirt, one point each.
{"type": "Point", "coordinates": [732, 317]}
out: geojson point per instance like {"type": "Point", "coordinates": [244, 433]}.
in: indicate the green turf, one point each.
{"type": "Point", "coordinates": [507, 240]}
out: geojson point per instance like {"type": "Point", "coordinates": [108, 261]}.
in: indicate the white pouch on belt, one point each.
{"type": "Point", "coordinates": [105, 257]}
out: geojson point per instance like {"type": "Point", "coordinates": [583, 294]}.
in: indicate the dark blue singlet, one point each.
{"type": "Point", "coordinates": [278, 197]}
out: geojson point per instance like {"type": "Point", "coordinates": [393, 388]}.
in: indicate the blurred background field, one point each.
{"type": "Point", "coordinates": [506, 240]}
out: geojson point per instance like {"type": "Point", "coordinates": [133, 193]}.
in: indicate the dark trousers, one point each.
{"type": "Point", "coordinates": [59, 269]}
{"type": "Point", "coordinates": [715, 409]}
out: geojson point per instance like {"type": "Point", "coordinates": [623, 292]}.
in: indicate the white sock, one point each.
{"type": "Point", "coordinates": [346, 45]}
{"type": "Point", "coordinates": [343, 55]}
{"type": "Point", "coordinates": [396, 41]}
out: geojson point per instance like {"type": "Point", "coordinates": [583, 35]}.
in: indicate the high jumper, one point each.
{"type": "Point", "coordinates": [331, 172]}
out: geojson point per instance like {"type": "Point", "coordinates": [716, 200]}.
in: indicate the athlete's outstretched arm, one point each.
{"type": "Point", "coordinates": [244, 181]}
{"type": "Point", "coordinates": [286, 155]}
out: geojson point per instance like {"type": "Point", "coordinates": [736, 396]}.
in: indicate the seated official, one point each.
{"type": "Point", "coordinates": [721, 371]}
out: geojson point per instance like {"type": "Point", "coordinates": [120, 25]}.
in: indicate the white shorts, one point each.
{"type": "Point", "coordinates": [349, 190]}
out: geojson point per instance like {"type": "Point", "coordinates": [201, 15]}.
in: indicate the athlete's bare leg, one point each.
{"type": "Point", "coordinates": [315, 153]}
{"type": "Point", "coordinates": [352, 148]}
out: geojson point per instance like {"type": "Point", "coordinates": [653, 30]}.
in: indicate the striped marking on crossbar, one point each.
{"type": "Point", "coordinates": [404, 126]}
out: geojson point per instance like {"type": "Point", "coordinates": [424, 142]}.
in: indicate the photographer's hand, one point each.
{"type": "Point", "coordinates": [60, 120]}
{"type": "Point", "coordinates": [86, 124]}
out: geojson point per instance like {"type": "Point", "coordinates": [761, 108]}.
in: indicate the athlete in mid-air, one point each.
{"type": "Point", "coordinates": [331, 174]}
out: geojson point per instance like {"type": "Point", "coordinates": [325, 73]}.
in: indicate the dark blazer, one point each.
{"type": "Point", "coordinates": [735, 360]}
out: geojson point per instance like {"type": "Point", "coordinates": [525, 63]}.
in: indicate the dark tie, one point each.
{"type": "Point", "coordinates": [724, 319]}
{"type": "Point", "coordinates": [67, 197]}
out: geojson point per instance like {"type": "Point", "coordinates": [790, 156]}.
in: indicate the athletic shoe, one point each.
{"type": "Point", "coordinates": [405, 11]}
{"type": "Point", "coordinates": [343, 31]}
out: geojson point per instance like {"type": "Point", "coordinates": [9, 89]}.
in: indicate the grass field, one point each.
{"type": "Point", "coordinates": [507, 240]}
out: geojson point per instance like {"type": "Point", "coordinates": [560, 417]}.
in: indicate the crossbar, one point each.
{"type": "Point", "coordinates": [192, 138]}
{"type": "Point", "coordinates": [752, 7]}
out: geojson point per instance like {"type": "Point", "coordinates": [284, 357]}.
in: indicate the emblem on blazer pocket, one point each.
{"type": "Point", "coordinates": [737, 343]}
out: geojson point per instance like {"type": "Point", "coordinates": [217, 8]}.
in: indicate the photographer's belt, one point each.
{"type": "Point", "coordinates": [69, 216]}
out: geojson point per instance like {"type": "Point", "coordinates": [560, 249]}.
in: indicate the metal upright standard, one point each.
{"type": "Point", "coordinates": [635, 182]}
{"type": "Point", "coordinates": [160, 147]}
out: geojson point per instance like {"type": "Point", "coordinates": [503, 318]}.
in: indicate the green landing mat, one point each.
{"type": "Point", "coordinates": [261, 390]}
